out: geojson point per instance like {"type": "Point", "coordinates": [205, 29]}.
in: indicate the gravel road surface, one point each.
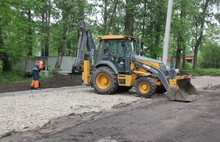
{"type": "Point", "coordinates": [30, 110]}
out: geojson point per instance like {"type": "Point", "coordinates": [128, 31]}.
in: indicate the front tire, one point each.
{"type": "Point", "coordinates": [104, 81]}
{"type": "Point", "coordinates": [145, 87]}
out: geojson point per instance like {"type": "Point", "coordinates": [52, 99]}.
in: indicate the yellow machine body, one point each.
{"type": "Point", "coordinates": [145, 75]}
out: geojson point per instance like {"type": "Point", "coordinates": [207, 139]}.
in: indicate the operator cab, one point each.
{"type": "Point", "coordinates": [117, 49]}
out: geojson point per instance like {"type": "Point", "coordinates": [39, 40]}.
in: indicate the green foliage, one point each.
{"type": "Point", "coordinates": [210, 55]}
{"type": "Point", "coordinates": [188, 66]}
{"type": "Point", "coordinates": [150, 26]}
{"type": "Point", "coordinates": [28, 26]}
{"type": "Point", "coordinates": [65, 30]}
{"type": "Point", "coordinates": [12, 76]}
{"type": "Point", "coordinates": [205, 71]}
{"type": "Point", "coordinates": [17, 76]}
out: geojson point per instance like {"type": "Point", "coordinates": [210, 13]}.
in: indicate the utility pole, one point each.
{"type": "Point", "coordinates": [167, 32]}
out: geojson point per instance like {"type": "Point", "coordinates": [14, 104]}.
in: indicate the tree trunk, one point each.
{"type": "Point", "coordinates": [200, 36]}
{"type": "Point", "coordinates": [43, 52]}
{"type": "Point", "coordinates": [68, 43]}
{"type": "Point", "coordinates": [3, 55]}
{"type": "Point", "coordinates": [105, 16]}
{"type": "Point", "coordinates": [58, 62]}
{"type": "Point", "coordinates": [157, 38]}
{"type": "Point", "coordinates": [183, 56]}
{"type": "Point", "coordinates": [157, 30]}
{"type": "Point", "coordinates": [46, 27]}
{"type": "Point", "coordinates": [178, 50]}
{"type": "Point", "coordinates": [30, 33]}
{"type": "Point", "coordinates": [143, 29]}
{"type": "Point", "coordinates": [47, 44]}
{"type": "Point", "coordinates": [180, 38]}
{"type": "Point", "coordinates": [1, 39]}
{"type": "Point", "coordinates": [112, 16]}
{"type": "Point", "coordinates": [178, 57]}
{"type": "Point", "coordinates": [196, 49]}
{"type": "Point", "coordinates": [129, 19]}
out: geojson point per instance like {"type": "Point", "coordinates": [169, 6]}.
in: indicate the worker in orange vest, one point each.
{"type": "Point", "coordinates": [39, 65]}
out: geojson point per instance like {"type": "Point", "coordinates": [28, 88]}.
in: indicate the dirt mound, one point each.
{"type": "Point", "coordinates": [59, 80]}
{"type": "Point", "coordinates": [56, 81]}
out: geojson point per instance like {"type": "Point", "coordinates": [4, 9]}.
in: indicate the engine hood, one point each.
{"type": "Point", "coordinates": [137, 57]}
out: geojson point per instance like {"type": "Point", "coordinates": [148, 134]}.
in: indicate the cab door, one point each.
{"type": "Point", "coordinates": [117, 54]}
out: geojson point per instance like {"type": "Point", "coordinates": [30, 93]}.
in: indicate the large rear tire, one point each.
{"type": "Point", "coordinates": [145, 87]}
{"type": "Point", "coordinates": [104, 81]}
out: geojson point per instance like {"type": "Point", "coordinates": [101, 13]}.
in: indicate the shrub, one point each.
{"type": "Point", "coordinates": [210, 55]}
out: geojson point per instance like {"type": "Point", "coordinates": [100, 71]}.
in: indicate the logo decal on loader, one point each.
{"type": "Point", "coordinates": [92, 57]}
{"type": "Point", "coordinates": [151, 69]}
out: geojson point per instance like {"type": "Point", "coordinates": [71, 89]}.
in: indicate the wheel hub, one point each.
{"type": "Point", "coordinates": [103, 81]}
{"type": "Point", "coordinates": [143, 87]}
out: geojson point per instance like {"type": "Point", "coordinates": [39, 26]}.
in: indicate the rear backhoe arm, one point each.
{"type": "Point", "coordinates": [86, 49]}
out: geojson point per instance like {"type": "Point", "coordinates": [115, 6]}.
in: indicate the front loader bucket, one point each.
{"type": "Point", "coordinates": [184, 91]}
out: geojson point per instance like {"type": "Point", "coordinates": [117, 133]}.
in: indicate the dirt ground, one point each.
{"type": "Point", "coordinates": [58, 80]}
{"type": "Point", "coordinates": [158, 121]}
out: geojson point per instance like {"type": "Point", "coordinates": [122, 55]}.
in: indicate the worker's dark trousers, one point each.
{"type": "Point", "coordinates": [35, 83]}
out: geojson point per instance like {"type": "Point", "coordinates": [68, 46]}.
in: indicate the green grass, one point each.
{"type": "Point", "coordinates": [19, 76]}
{"type": "Point", "coordinates": [12, 76]}
{"type": "Point", "coordinates": [205, 71]}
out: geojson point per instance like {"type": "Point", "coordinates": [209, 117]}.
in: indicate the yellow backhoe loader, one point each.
{"type": "Point", "coordinates": [115, 66]}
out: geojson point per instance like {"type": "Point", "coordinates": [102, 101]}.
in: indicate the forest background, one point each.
{"type": "Point", "coordinates": [50, 27]}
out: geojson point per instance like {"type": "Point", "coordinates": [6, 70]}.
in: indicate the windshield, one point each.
{"type": "Point", "coordinates": [132, 46]}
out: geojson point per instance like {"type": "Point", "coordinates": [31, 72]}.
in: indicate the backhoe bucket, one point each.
{"type": "Point", "coordinates": [184, 91]}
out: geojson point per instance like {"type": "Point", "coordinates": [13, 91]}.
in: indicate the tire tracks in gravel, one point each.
{"type": "Point", "coordinates": [65, 123]}
{"type": "Point", "coordinates": [55, 126]}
